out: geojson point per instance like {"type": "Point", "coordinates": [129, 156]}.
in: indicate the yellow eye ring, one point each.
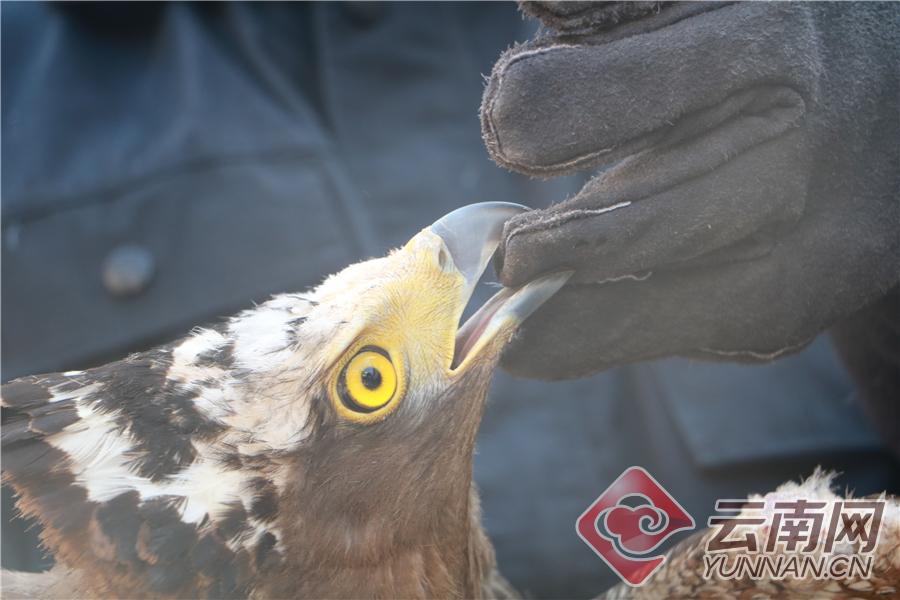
{"type": "Point", "coordinates": [368, 382]}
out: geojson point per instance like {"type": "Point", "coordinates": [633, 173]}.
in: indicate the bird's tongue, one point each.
{"type": "Point", "coordinates": [471, 332]}
{"type": "Point", "coordinates": [506, 307]}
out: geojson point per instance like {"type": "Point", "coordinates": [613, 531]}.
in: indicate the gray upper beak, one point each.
{"type": "Point", "coordinates": [472, 233]}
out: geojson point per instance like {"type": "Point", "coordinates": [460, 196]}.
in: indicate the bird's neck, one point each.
{"type": "Point", "coordinates": [414, 535]}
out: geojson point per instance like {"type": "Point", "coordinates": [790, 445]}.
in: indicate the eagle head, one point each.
{"type": "Point", "coordinates": [318, 445]}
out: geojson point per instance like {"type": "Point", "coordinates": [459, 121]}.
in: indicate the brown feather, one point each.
{"type": "Point", "coordinates": [225, 465]}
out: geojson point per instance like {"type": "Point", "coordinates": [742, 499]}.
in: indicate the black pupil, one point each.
{"type": "Point", "coordinates": [371, 378]}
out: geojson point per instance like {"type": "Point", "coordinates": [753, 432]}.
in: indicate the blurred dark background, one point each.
{"type": "Point", "coordinates": [165, 165]}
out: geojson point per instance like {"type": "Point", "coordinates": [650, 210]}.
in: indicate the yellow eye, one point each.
{"type": "Point", "coordinates": [369, 381]}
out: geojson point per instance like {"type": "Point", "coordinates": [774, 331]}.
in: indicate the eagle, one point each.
{"type": "Point", "coordinates": [317, 446]}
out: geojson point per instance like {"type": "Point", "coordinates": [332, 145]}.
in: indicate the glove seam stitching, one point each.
{"type": "Point", "coordinates": [565, 217]}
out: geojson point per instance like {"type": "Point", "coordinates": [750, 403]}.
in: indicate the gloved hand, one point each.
{"type": "Point", "coordinates": [755, 201]}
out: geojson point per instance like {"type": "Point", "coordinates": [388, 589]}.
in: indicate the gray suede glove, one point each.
{"type": "Point", "coordinates": [755, 201]}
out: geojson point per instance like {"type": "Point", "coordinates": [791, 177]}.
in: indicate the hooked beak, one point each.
{"type": "Point", "coordinates": [471, 235]}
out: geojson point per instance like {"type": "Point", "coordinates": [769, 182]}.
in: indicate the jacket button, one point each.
{"type": "Point", "coordinates": [128, 270]}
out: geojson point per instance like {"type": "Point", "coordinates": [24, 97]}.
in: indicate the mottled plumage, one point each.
{"type": "Point", "coordinates": [235, 463]}
{"type": "Point", "coordinates": [232, 463]}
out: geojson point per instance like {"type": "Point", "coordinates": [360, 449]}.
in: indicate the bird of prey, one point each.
{"type": "Point", "coordinates": [317, 446]}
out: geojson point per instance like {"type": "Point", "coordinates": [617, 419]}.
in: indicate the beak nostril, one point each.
{"type": "Point", "coordinates": [443, 261]}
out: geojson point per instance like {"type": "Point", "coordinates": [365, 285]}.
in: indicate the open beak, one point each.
{"type": "Point", "coordinates": [471, 235]}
